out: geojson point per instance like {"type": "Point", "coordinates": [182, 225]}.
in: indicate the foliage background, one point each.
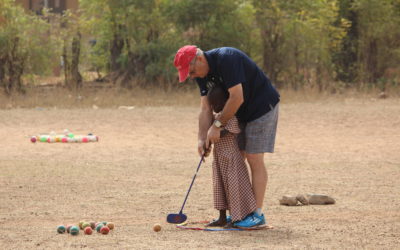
{"type": "Point", "coordinates": [321, 44]}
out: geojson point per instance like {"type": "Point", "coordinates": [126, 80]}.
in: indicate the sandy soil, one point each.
{"type": "Point", "coordinates": [142, 166]}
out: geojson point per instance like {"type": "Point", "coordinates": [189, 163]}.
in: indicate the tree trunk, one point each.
{"type": "Point", "coordinates": [16, 63]}
{"type": "Point", "coordinates": [66, 66]}
{"type": "Point", "coordinates": [2, 70]}
{"type": "Point", "coordinates": [117, 44]}
{"type": "Point", "coordinates": [76, 51]}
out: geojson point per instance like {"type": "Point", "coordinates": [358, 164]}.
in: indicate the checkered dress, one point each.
{"type": "Point", "coordinates": [232, 187]}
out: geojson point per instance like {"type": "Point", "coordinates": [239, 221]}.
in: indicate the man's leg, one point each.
{"type": "Point", "coordinates": [259, 176]}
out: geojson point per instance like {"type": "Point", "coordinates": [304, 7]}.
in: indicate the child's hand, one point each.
{"type": "Point", "coordinates": [207, 151]}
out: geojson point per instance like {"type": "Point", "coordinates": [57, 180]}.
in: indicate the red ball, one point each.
{"type": "Point", "coordinates": [88, 230]}
{"type": "Point", "coordinates": [85, 139]}
{"type": "Point", "coordinates": [104, 230]}
{"type": "Point", "coordinates": [64, 139]}
{"type": "Point", "coordinates": [33, 139]}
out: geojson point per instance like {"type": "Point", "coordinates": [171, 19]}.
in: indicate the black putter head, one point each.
{"type": "Point", "coordinates": [176, 218]}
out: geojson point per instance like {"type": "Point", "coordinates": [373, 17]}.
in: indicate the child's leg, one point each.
{"type": "Point", "coordinates": [221, 220]}
{"type": "Point", "coordinates": [219, 195]}
{"type": "Point", "coordinates": [239, 192]}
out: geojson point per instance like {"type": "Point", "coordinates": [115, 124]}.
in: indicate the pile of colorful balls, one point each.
{"type": "Point", "coordinates": [86, 227]}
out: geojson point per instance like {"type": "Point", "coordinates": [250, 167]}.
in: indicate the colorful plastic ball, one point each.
{"type": "Point", "coordinates": [69, 228]}
{"type": "Point", "coordinates": [69, 139]}
{"type": "Point", "coordinates": [43, 138]}
{"type": "Point", "coordinates": [99, 227]}
{"type": "Point", "coordinates": [64, 139]}
{"type": "Point", "coordinates": [88, 230]}
{"type": "Point", "coordinates": [51, 139]}
{"type": "Point", "coordinates": [70, 135]}
{"type": "Point", "coordinates": [85, 225]}
{"type": "Point", "coordinates": [74, 230]}
{"type": "Point", "coordinates": [93, 225]}
{"type": "Point", "coordinates": [33, 139]}
{"type": "Point", "coordinates": [85, 139]}
{"type": "Point", "coordinates": [61, 229]}
{"type": "Point", "coordinates": [104, 230]}
{"type": "Point", "coordinates": [104, 223]}
{"type": "Point", "coordinates": [110, 225]}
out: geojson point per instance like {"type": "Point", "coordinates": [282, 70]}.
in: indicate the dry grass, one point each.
{"type": "Point", "coordinates": [141, 168]}
{"type": "Point", "coordinates": [52, 95]}
{"type": "Point", "coordinates": [89, 97]}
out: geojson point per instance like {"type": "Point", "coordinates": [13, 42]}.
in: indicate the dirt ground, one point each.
{"type": "Point", "coordinates": [142, 166]}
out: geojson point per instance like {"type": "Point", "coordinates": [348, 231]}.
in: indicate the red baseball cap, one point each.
{"type": "Point", "coordinates": [182, 60]}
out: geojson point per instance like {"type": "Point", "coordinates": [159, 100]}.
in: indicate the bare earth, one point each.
{"type": "Point", "coordinates": [142, 166]}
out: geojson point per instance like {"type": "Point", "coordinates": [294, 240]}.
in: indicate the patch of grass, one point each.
{"type": "Point", "coordinates": [104, 95]}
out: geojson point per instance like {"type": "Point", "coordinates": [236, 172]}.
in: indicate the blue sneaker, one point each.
{"type": "Point", "coordinates": [252, 221]}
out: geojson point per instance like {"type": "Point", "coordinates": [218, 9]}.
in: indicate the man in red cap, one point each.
{"type": "Point", "coordinates": [253, 100]}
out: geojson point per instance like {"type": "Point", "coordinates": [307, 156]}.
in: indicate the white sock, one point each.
{"type": "Point", "coordinates": [258, 211]}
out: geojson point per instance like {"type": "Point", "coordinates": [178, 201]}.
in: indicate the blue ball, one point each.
{"type": "Point", "coordinates": [61, 229]}
{"type": "Point", "coordinates": [74, 230]}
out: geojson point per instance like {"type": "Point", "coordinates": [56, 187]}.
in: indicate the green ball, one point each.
{"type": "Point", "coordinates": [70, 135]}
{"type": "Point", "coordinates": [74, 230]}
{"type": "Point", "coordinates": [61, 229]}
{"type": "Point", "coordinates": [99, 226]}
{"type": "Point", "coordinates": [104, 223]}
{"type": "Point", "coordinates": [85, 225]}
{"type": "Point", "coordinates": [43, 138]}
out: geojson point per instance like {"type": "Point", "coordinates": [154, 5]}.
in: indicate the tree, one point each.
{"type": "Point", "coordinates": [134, 36]}
{"type": "Point", "coordinates": [379, 37]}
{"type": "Point", "coordinates": [24, 46]}
{"type": "Point", "coordinates": [298, 38]}
{"type": "Point", "coordinates": [71, 37]}
{"type": "Point", "coordinates": [345, 59]}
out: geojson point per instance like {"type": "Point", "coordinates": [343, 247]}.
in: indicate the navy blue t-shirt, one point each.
{"type": "Point", "coordinates": [229, 67]}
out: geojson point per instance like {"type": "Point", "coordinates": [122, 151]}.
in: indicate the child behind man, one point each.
{"type": "Point", "coordinates": [231, 182]}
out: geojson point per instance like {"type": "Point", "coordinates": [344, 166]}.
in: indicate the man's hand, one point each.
{"type": "Point", "coordinates": [213, 135]}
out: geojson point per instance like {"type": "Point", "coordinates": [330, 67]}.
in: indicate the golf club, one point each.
{"type": "Point", "coordinates": [179, 218]}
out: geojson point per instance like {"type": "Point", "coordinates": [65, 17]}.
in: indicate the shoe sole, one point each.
{"type": "Point", "coordinates": [258, 227]}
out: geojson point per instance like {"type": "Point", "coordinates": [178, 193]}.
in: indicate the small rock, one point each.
{"type": "Point", "coordinates": [320, 199]}
{"type": "Point", "coordinates": [288, 200]}
{"type": "Point", "coordinates": [302, 199]}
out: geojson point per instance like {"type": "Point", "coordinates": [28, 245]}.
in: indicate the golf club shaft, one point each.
{"type": "Point", "coordinates": [194, 177]}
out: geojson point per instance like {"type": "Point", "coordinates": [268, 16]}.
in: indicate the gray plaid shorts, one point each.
{"type": "Point", "coordinates": [258, 136]}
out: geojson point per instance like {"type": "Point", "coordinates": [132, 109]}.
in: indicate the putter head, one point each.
{"type": "Point", "coordinates": [176, 218]}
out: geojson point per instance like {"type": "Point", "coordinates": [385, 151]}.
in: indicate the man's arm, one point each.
{"type": "Point", "coordinates": [205, 121]}
{"type": "Point", "coordinates": [231, 106]}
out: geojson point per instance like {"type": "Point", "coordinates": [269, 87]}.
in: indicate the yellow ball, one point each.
{"type": "Point", "coordinates": [85, 225]}
{"type": "Point", "coordinates": [157, 228]}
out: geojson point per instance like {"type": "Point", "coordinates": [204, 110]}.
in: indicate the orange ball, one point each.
{"type": "Point", "coordinates": [110, 225]}
{"type": "Point", "coordinates": [157, 228]}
